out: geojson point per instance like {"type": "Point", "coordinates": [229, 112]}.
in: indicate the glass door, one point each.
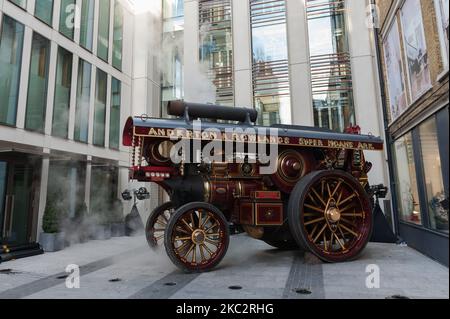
{"type": "Point", "coordinates": [3, 183]}
{"type": "Point", "coordinates": [17, 211]}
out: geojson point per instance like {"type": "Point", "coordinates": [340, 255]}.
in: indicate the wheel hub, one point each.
{"type": "Point", "coordinates": [333, 214]}
{"type": "Point", "coordinates": [198, 237]}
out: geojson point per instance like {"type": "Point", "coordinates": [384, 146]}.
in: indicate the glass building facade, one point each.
{"type": "Point", "coordinates": [55, 92]}
{"type": "Point", "coordinates": [11, 44]}
{"type": "Point", "coordinates": [216, 47]}
{"type": "Point", "coordinates": [331, 74]}
{"type": "Point", "coordinates": [271, 82]}
{"type": "Point", "coordinates": [38, 84]}
{"type": "Point", "coordinates": [172, 62]}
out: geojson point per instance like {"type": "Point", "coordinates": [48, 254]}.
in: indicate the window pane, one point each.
{"type": "Point", "coordinates": [118, 35]}
{"type": "Point", "coordinates": [11, 44]}
{"type": "Point", "coordinates": [87, 24]}
{"type": "Point", "coordinates": [104, 185]}
{"type": "Point", "coordinates": [442, 10]}
{"type": "Point", "coordinates": [62, 94]}
{"type": "Point", "coordinates": [270, 62]}
{"type": "Point", "coordinates": [67, 18]}
{"type": "Point", "coordinates": [407, 193]}
{"type": "Point", "coordinates": [44, 10]}
{"type": "Point", "coordinates": [103, 30]}
{"type": "Point", "coordinates": [331, 75]}
{"type": "Point", "coordinates": [216, 50]}
{"type": "Point", "coordinates": [114, 130]}
{"type": "Point", "coordinates": [83, 100]}
{"type": "Point", "coordinates": [66, 181]}
{"type": "Point", "coordinates": [173, 51]}
{"type": "Point", "coordinates": [20, 3]}
{"type": "Point", "coordinates": [416, 48]}
{"type": "Point", "coordinates": [38, 83]}
{"type": "Point", "coordinates": [434, 183]}
{"type": "Point", "coordinates": [100, 108]}
{"type": "Point", "coordinates": [395, 75]}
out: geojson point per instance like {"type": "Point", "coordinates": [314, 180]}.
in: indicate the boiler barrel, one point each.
{"type": "Point", "coordinates": [209, 111]}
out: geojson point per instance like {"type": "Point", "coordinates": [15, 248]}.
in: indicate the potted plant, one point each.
{"type": "Point", "coordinates": [117, 219]}
{"type": "Point", "coordinates": [52, 239]}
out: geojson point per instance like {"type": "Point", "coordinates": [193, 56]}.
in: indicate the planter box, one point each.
{"type": "Point", "coordinates": [52, 242]}
{"type": "Point", "coordinates": [101, 232]}
{"type": "Point", "coordinates": [118, 230]}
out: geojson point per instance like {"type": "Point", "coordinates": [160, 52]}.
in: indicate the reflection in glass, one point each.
{"type": "Point", "coordinates": [407, 192]}
{"type": "Point", "coordinates": [103, 30]}
{"type": "Point", "coordinates": [67, 18]}
{"type": "Point", "coordinates": [11, 43]}
{"type": "Point", "coordinates": [62, 94]}
{"type": "Point", "coordinates": [216, 48]}
{"type": "Point", "coordinates": [117, 35]}
{"type": "Point", "coordinates": [416, 48]}
{"type": "Point", "coordinates": [38, 84]}
{"type": "Point", "coordinates": [83, 100]}
{"type": "Point", "coordinates": [434, 184]}
{"type": "Point", "coordinates": [87, 24]}
{"type": "Point", "coordinates": [3, 180]}
{"type": "Point", "coordinates": [331, 77]}
{"type": "Point", "coordinates": [20, 3]}
{"type": "Point", "coordinates": [172, 52]}
{"type": "Point", "coordinates": [100, 108]}
{"type": "Point", "coordinates": [114, 127]}
{"type": "Point", "coordinates": [44, 10]}
{"type": "Point", "coordinates": [270, 62]}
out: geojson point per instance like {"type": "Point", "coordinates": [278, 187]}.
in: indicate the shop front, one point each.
{"type": "Point", "coordinates": [421, 165]}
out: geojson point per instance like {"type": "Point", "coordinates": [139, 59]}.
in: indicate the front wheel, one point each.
{"type": "Point", "coordinates": [330, 214]}
{"type": "Point", "coordinates": [197, 237]}
{"type": "Point", "coordinates": [157, 224]}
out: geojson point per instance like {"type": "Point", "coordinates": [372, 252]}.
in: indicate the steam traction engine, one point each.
{"type": "Point", "coordinates": [316, 199]}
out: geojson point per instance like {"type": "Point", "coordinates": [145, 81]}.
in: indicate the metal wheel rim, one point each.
{"type": "Point", "coordinates": [198, 238]}
{"type": "Point", "coordinates": [335, 218]}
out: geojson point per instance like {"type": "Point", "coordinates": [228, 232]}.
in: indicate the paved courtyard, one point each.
{"type": "Point", "coordinates": [126, 268]}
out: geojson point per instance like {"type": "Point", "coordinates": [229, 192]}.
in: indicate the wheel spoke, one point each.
{"type": "Point", "coordinates": [205, 222]}
{"type": "Point", "coordinates": [352, 215]}
{"type": "Point", "coordinates": [214, 234]}
{"type": "Point", "coordinates": [320, 233]}
{"type": "Point", "coordinates": [200, 219]}
{"type": "Point", "coordinates": [346, 208]}
{"type": "Point", "coordinates": [312, 199]}
{"type": "Point", "coordinates": [347, 199]}
{"type": "Point", "coordinates": [194, 255]}
{"type": "Point", "coordinates": [182, 238]}
{"type": "Point", "coordinates": [315, 208]}
{"type": "Point", "coordinates": [319, 197]}
{"type": "Point", "coordinates": [207, 249]}
{"type": "Point", "coordinates": [179, 228]}
{"type": "Point", "coordinates": [349, 230]}
{"type": "Point", "coordinates": [329, 190]}
{"type": "Point", "coordinates": [314, 230]}
{"type": "Point", "coordinates": [339, 241]}
{"type": "Point", "coordinates": [213, 226]}
{"type": "Point", "coordinates": [161, 223]}
{"type": "Point", "coordinates": [189, 251]}
{"type": "Point", "coordinates": [186, 223]}
{"type": "Point", "coordinates": [325, 241]}
{"type": "Point", "coordinates": [183, 246]}
{"type": "Point", "coordinates": [336, 189]}
{"type": "Point", "coordinates": [347, 221]}
{"type": "Point", "coordinates": [212, 242]}
{"type": "Point", "coordinates": [314, 221]}
{"type": "Point", "coordinates": [202, 253]}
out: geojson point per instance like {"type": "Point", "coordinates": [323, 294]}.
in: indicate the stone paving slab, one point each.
{"type": "Point", "coordinates": [125, 268]}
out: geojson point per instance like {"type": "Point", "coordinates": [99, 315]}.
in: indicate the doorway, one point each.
{"type": "Point", "coordinates": [17, 197]}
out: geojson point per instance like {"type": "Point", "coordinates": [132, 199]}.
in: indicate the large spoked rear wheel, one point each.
{"type": "Point", "coordinates": [330, 214]}
{"type": "Point", "coordinates": [197, 237]}
{"type": "Point", "coordinates": [157, 224]}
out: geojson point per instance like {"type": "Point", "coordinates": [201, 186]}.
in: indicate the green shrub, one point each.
{"type": "Point", "coordinates": [50, 223]}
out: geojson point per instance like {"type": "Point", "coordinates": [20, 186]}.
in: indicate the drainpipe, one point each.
{"type": "Point", "coordinates": [389, 140]}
